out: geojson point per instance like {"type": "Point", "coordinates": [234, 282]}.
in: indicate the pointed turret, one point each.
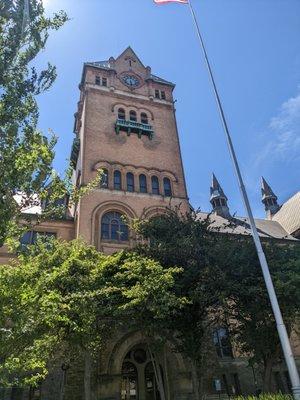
{"type": "Point", "coordinates": [269, 199]}
{"type": "Point", "coordinates": [218, 199]}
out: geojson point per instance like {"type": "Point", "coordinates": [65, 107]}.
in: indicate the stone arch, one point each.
{"type": "Point", "coordinates": [174, 364]}
{"type": "Point", "coordinates": [126, 343]}
{"type": "Point", "coordinates": [154, 211]}
{"type": "Point", "coordinates": [100, 210]}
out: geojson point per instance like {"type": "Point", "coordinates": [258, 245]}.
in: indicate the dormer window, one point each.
{"type": "Point", "coordinates": [157, 94]}
{"type": "Point", "coordinates": [163, 95]}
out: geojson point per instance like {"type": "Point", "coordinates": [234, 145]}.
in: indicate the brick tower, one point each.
{"type": "Point", "coordinates": [126, 126]}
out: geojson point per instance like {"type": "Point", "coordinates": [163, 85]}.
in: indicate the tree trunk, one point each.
{"type": "Point", "coordinates": [267, 378]}
{"type": "Point", "coordinates": [87, 376]}
{"type": "Point", "coordinates": [196, 382]}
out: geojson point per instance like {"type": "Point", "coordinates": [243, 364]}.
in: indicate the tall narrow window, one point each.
{"type": "Point", "coordinates": [113, 227]}
{"type": "Point", "coordinates": [104, 81]}
{"type": "Point", "coordinates": [155, 185]}
{"type": "Point", "coordinates": [222, 343]}
{"type": "Point", "coordinates": [121, 113]}
{"type": "Point", "coordinates": [104, 179]}
{"type": "Point", "coordinates": [130, 182]}
{"type": "Point", "coordinates": [97, 80]}
{"type": "Point", "coordinates": [143, 183]}
{"type": "Point", "coordinates": [157, 94]}
{"type": "Point", "coordinates": [144, 118]}
{"type": "Point", "coordinates": [167, 187]}
{"type": "Point", "coordinates": [163, 95]}
{"type": "Point", "coordinates": [132, 116]}
{"type": "Point", "coordinates": [117, 180]}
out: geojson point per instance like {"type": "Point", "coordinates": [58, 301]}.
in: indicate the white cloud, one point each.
{"type": "Point", "coordinates": [283, 134]}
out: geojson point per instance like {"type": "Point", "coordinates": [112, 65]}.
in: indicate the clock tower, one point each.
{"type": "Point", "coordinates": [126, 126]}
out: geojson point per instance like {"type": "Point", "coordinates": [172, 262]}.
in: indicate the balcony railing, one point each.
{"type": "Point", "coordinates": [134, 127]}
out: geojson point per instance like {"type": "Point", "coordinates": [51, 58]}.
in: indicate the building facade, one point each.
{"type": "Point", "coordinates": [125, 125]}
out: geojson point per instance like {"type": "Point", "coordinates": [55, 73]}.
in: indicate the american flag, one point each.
{"type": "Point", "coordinates": [171, 1]}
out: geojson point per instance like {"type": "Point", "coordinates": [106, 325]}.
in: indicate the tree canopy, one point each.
{"type": "Point", "coordinates": [71, 297]}
{"type": "Point", "coordinates": [26, 154]}
{"type": "Point", "coordinates": [223, 282]}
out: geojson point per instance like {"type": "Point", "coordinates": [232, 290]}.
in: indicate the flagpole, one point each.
{"type": "Point", "coordinates": [282, 332]}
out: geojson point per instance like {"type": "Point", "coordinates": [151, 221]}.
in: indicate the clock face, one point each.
{"type": "Point", "coordinates": [131, 80]}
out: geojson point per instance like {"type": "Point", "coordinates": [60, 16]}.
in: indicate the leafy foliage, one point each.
{"type": "Point", "coordinates": [223, 283]}
{"type": "Point", "coordinates": [26, 155]}
{"type": "Point", "coordinates": [70, 298]}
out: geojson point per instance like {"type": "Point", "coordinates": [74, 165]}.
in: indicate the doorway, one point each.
{"type": "Point", "coordinates": [138, 376]}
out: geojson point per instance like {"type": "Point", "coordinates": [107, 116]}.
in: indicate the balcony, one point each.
{"type": "Point", "coordinates": [133, 127]}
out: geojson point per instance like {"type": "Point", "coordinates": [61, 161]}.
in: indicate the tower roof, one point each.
{"type": "Point", "coordinates": [109, 65]}
{"type": "Point", "coordinates": [216, 189]}
{"type": "Point", "coordinates": [266, 190]}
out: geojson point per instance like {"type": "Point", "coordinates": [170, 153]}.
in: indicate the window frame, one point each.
{"type": "Point", "coordinates": [132, 116]}
{"type": "Point", "coordinates": [144, 118]}
{"type": "Point", "coordinates": [104, 81]}
{"type": "Point", "coordinates": [130, 185]}
{"type": "Point", "coordinates": [141, 185]}
{"type": "Point", "coordinates": [224, 350]}
{"type": "Point", "coordinates": [117, 180]}
{"type": "Point", "coordinates": [155, 189]}
{"type": "Point", "coordinates": [112, 227]}
{"type": "Point", "coordinates": [121, 114]}
{"type": "Point", "coordinates": [104, 179]}
{"type": "Point", "coordinates": [167, 187]}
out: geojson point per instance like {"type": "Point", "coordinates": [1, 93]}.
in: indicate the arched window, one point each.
{"type": "Point", "coordinates": [155, 184]}
{"type": "Point", "coordinates": [167, 187]}
{"type": "Point", "coordinates": [130, 182]}
{"type": "Point", "coordinates": [143, 183]}
{"type": "Point", "coordinates": [121, 113]}
{"type": "Point", "coordinates": [104, 179]}
{"type": "Point", "coordinates": [113, 227]}
{"type": "Point", "coordinates": [132, 116]}
{"type": "Point", "coordinates": [144, 118]}
{"type": "Point", "coordinates": [117, 180]}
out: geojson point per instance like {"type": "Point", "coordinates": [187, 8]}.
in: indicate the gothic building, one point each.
{"type": "Point", "coordinates": [126, 125]}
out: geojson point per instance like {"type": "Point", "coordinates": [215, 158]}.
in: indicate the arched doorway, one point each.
{"type": "Point", "coordinates": [138, 376]}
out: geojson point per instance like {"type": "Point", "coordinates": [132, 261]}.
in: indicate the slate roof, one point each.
{"type": "Point", "coordinates": [240, 226]}
{"type": "Point", "coordinates": [289, 214]}
{"type": "Point", "coordinates": [106, 65]}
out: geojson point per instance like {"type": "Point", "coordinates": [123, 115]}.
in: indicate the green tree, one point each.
{"type": "Point", "coordinates": [26, 155]}
{"type": "Point", "coordinates": [70, 299]}
{"type": "Point", "coordinates": [255, 328]}
{"type": "Point", "coordinates": [223, 283]}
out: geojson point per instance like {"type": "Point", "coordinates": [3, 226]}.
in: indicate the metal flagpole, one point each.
{"type": "Point", "coordinates": [284, 339]}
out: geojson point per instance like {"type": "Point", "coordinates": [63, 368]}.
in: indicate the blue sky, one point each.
{"type": "Point", "coordinates": [254, 49]}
